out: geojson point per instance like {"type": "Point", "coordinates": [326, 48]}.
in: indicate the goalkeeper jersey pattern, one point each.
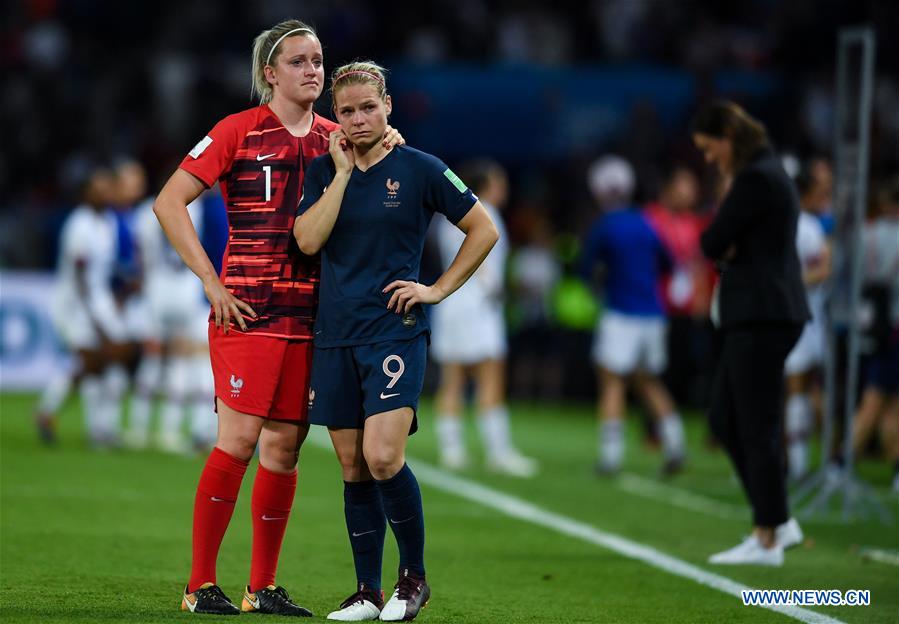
{"type": "Point", "coordinates": [260, 167]}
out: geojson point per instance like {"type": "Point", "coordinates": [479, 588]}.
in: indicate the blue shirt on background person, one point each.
{"type": "Point", "coordinates": [633, 256]}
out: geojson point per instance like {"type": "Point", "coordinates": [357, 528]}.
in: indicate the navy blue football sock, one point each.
{"type": "Point", "coordinates": [365, 526]}
{"type": "Point", "coordinates": [402, 503]}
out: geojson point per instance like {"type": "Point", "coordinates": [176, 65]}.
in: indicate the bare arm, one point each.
{"type": "Point", "coordinates": [480, 236]}
{"type": "Point", "coordinates": [171, 210]}
{"type": "Point", "coordinates": [313, 228]}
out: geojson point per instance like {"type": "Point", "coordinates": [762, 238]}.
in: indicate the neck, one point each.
{"type": "Point", "coordinates": [297, 118]}
{"type": "Point", "coordinates": [368, 155]}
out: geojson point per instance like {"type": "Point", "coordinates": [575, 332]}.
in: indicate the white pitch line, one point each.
{"type": "Point", "coordinates": [659, 492]}
{"type": "Point", "coordinates": [663, 493]}
{"type": "Point", "coordinates": [883, 556]}
{"type": "Point", "coordinates": [528, 512]}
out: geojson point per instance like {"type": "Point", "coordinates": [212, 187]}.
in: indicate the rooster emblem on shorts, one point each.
{"type": "Point", "coordinates": [392, 187]}
{"type": "Point", "coordinates": [236, 385]}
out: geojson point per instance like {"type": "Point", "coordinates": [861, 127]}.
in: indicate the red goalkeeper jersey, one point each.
{"type": "Point", "coordinates": [260, 167]}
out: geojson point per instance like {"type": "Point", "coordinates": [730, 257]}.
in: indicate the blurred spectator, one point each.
{"type": "Point", "coordinates": [686, 290]}
{"type": "Point", "coordinates": [880, 397]}
{"type": "Point", "coordinates": [815, 184]}
{"type": "Point", "coordinates": [574, 312]}
{"type": "Point", "coordinates": [534, 272]}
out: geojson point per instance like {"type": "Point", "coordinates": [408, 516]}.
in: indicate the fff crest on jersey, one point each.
{"type": "Point", "coordinates": [393, 188]}
{"type": "Point", "coordinates": [410, 320]}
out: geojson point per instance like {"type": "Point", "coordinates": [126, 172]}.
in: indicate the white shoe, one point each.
{"type": "Point", "coordinates": [358, 608]}
{"type": "Point", "coordinates": [750, 551]}
{"type": "Point", "coordinates": [357, 612]}
{"type": "Point", "coordinates": [454, 458]}
{"type": "Point", "coordinates": [410, 595]}
{"type": "Point", "coordinates": [513, 464]}
{"type": "Point", "coordinates": [789, 534]}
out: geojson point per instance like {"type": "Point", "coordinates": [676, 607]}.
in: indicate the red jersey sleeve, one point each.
{"type": "Point", "coordinates": [213, 155]}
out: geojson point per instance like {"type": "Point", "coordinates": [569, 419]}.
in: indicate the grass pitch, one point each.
{"type": "Point", "coordinates": [105, 537]}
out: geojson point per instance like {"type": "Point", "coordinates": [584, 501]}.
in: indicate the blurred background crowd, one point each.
{"type": "Point", "coordinates": [545, 90]}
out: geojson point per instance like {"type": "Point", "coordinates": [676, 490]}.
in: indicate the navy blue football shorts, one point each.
{"type": "Point", "coordinates": [349, 384]}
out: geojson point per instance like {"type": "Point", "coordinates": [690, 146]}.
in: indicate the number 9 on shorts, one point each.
{"type": "Point", "coordinates": [353, 383]}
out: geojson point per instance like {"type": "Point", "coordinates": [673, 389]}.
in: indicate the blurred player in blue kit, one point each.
{"type": "Point", "coordinates": [367, 209]}
{"type": "Point", "coordinates": [629, 343]}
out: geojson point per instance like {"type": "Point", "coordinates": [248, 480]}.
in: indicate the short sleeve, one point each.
{"type": "Point", "coordinates": [77, 239]}
{"type": "Point", "coordinates": [214, 153]}
{"type": "Point", "coordinates": [445, 192]}
{"type": "Point", "coordinates": [315, 180]}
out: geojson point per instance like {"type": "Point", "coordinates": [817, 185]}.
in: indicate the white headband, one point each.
{"type": "Point", "coordinates": [281, 38]}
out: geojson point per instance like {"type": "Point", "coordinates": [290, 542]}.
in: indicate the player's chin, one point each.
{"type": "Point", "coordinates": [365, 140]}
{"type": "Point", "coordinates": [306, 94]}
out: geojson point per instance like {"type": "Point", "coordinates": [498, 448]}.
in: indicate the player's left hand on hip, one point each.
{"type": "Point", "coordinates": [407, 294]}
{"type": "Point", "coordinates": [392, 137]}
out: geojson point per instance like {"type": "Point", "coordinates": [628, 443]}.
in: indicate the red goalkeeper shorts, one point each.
{"type": "Point", "coordinates": [261, 375]}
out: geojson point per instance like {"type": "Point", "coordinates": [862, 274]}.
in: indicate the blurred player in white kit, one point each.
{"type": "Point", "coordinates": [469, 339]}
{"type": "Point", "coordinates": [85, 314]}
{"type": "Point", "coordinates": [808, 354]}
{"type": "Point", "coordinates": [175, 364]}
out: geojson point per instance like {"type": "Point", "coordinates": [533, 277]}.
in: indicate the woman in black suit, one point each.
{"type": "Point", "coordinates": [761, 309]}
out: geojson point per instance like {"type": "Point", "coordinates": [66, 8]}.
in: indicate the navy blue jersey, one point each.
{"type": "Point", "coordinates": [378, 238]}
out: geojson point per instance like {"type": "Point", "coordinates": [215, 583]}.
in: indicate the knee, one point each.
{"type": "Point", "coordinates": [384, 462]}
{"type": "Point", "coordinates": [278, 455]}
{"type": "Point", "coordinates": [352, 465]}
{"type": "Point", "coordinates": [241, 445]}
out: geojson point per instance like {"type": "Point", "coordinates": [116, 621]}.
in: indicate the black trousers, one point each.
{"type": "Point", "coordinates": [746, 412]}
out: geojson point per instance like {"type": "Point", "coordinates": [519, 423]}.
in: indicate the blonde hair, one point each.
{"type": "Point", "coordinates": [360, 72]}
{"type": "Point", "coordinates": [265, 51]}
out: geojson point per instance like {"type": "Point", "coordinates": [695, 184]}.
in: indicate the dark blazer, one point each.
{"type": "Point", "coordinates": [762, 282]}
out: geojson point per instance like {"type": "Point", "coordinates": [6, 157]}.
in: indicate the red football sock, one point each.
{"type": "Point", "coordinates": [216, 495]}
{"type": "Point", "coordinates": [272, 499]}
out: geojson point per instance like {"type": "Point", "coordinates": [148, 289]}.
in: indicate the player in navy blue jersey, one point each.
{"type": "Point", "coordinates": [367, 208]}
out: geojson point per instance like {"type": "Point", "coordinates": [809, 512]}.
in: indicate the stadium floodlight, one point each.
{"type": "Point", "coordinates": [855, 87]}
